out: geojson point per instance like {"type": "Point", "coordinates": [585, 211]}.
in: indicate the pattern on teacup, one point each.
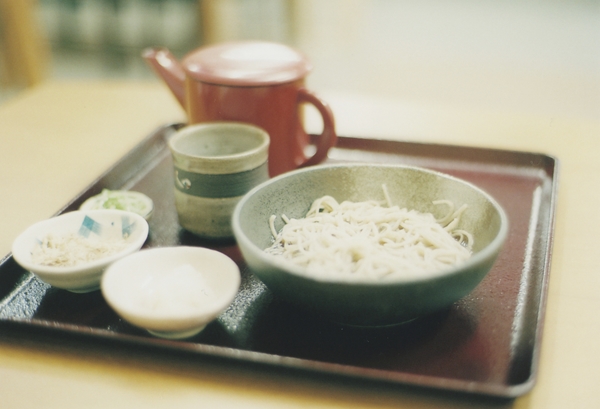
{"type": "Point", "coordinates": [184, 183]}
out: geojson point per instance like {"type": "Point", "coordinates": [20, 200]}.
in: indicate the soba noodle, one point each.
{"type": "Point", "coordinates": [371, 239]}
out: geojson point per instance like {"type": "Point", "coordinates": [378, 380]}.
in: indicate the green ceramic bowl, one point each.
{"type": "Point", "coordinates": [372, 303]}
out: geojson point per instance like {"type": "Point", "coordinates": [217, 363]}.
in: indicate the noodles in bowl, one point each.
{"type": "Point", "coordinates": [476, 223]}
{"type": "Point", "coordinates": [371, 240]}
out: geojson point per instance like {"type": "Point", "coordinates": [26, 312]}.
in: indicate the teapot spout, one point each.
{"type": "Point", "coordinates": [166, 66]}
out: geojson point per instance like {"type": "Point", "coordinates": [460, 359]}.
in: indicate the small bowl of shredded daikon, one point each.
{"type": "Point", "coordinates": [172, 292]}
{"type": "Point", "coordinates": [369, 244]}
{"type": "Point", "coordinates": [71, 251]}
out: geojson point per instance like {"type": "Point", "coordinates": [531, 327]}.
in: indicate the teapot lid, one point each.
{"type": "Point", "coordinates": [246, 63]}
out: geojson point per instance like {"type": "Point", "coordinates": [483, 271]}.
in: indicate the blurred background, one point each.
{"type": "Point", "coordinates": [539, 57]}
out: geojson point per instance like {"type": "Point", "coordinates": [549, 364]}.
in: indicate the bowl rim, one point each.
{"type": "Point", "coordinates": [261, 148]}
{"type": "Point", "coordinates": [221, 302]}
{"type": "Point", "coordinates": [484, 254]}
{"type": "Point", "coordinates": [20, 244]}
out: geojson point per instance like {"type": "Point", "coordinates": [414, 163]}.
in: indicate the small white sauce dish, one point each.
{"type": "Point", "coordinates": [121, 200]}
{"type": "Point", "coordinates": [172, 292]}
{"type": "Point", "coordinates": [98, 225]}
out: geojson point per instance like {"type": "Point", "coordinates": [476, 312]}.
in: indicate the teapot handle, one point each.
{"type": "Point", "coordinates": [328, 137]}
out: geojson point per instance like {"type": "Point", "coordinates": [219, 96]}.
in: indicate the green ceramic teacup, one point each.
{"type": "Point", "coordinates": [215, 164]}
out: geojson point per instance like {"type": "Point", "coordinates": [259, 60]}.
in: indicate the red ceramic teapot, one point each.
{"type": "Point", "coordinates": [257, 82]}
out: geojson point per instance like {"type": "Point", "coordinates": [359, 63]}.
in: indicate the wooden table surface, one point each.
{"type": "Point", "coordinates": [58, 137]}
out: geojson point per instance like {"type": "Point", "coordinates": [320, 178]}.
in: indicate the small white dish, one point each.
{"type": "Point", "coordinates": [172, 292]}
{"type": "Point", "coordinates": [127, 231]}
{"type": "Point", "coordinates": [128, 200]}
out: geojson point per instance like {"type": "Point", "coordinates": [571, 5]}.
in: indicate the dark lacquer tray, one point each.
{"type": "Point", "coordinates": [487, 343]}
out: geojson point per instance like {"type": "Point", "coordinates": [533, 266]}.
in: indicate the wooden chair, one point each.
{"type": "Point", "coordinates": [25, 52]}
